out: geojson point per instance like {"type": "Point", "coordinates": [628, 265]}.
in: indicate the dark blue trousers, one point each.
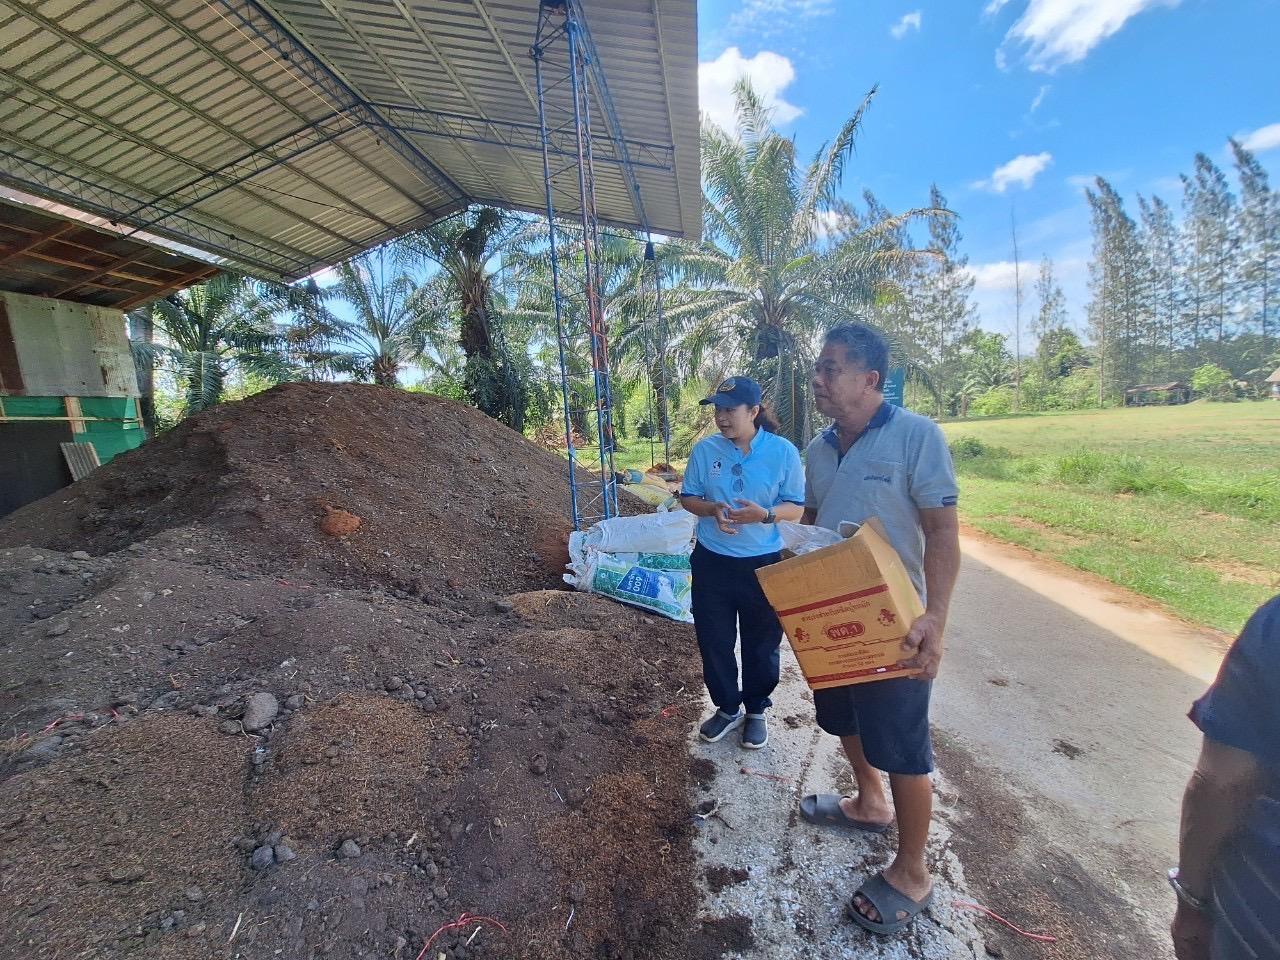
{"type": "Point", "coordinates": [728, 603]}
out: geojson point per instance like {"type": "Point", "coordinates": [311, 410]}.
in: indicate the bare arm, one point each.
{"type": "Point", "coordinates": [1221, 791]}
{"type": "Point", "coordinates": [700, 507]}
{"type": "Point", "coordinates": [941, 558]}
{"type": "Point", "coordinates": [748, 511]}
{"type": "Point", "coordinates": [791, 512]}
{"type": "Point", "coordinates": [1219, 795]}
{"type": "Point", "coordinates": [923, 644]}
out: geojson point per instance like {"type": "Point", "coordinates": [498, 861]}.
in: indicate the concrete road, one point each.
{"type": "Point", "coordinates": [1061, 719]}
{"type": "Point", "coordinates": [1063, 750]}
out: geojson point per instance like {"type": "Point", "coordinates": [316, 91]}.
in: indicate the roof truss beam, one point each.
{"type": "Point", "coordinates": [37, 240]}
{"type": "Point", "coordinates": [89, 118]}
{"type": "Point", "coordinates": [23, 173]}
{"type": "Point", "coordinates": [28, 10]}
{"type": "Point", "coordinates": [255, 18]}
{"type": "Point", "coordinates": [522, 136]}
{"type": "Point", "coordinates": [165, 210]}
{"type": "Point", "coordinates": [252, 81]}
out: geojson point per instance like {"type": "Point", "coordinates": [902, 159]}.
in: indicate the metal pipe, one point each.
{"type": "Point", "coordinates": [555, 284]}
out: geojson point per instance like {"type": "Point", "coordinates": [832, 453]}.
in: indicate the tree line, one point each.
{"type": "Point", "coordinates": [1172, 295]}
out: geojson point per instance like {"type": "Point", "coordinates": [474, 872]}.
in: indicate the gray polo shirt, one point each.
{"type": "Point", "coordinates": [897, 467]}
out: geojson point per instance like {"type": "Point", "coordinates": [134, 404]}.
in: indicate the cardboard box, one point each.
{"type": "Point", "coordinates": [845, 609]}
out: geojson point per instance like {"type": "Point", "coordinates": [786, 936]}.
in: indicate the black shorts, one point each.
{"type": "Point", "coordinates": [891, 716]}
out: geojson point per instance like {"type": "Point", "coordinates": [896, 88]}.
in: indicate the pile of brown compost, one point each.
{"type": "Point", "coordinates": [294, 679]}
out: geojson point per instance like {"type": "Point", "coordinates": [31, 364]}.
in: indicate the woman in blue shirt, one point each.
{"type": "Point", "coordinates": [739, 483]}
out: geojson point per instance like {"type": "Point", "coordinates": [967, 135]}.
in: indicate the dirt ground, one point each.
{"type": "Point", "coordinates": [294, 680]}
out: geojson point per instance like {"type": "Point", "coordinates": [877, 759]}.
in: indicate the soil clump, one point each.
{"type": "Point", "coordinates": [290, 681]}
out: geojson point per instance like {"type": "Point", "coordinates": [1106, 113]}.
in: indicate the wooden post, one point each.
{"type": "Point", "coordinates": [74, 414]}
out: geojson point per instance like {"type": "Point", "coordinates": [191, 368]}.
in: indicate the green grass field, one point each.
{"type": "Point", "coordinates": [1179, 504]}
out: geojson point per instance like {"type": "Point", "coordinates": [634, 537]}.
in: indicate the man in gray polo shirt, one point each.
{"type": "Point", "coordinates": [877, 460]}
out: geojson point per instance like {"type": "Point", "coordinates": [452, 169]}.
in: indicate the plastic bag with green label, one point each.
{"type": "Point", "coordinates": [657, 582]}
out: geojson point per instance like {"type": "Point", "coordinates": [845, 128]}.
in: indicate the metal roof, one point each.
{"type": "Point", "coordinates": [45, 254]}
{"type": "Point", "coordinates": [280, 136]}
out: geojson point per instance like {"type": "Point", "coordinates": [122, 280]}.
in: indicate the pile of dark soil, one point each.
{"type": "Point", "coordinates": [230, 732]}
{"type": "Point", "coordinates": [333, 482]}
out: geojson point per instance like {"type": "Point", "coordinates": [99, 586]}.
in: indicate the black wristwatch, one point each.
{"type": "Point", "coordinates": [1195, 903]}
{"type": "Point", "coordinates": [771, 517]}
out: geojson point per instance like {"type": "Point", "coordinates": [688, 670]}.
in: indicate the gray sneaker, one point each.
{"type": "Point", "coordinates": [755, 734]}
{"type": "Point", "coordinates": [720, 723]}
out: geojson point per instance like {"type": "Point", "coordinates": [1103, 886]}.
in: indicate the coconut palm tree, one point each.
{"type": "Point", "coordinates": [769, 277]}
{"type": "Point", "coordinates": [227, 322]}
{"type": "Point", "coordinates": [395, 318]}
{"type": "Point", "coordinates": [467, 248]}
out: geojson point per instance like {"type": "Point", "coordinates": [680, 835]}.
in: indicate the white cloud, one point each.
{"type": "Point", "coordinates": [1058, 32]}
{"type": "Point", "coordinates": [1044, 92]}
{"type": "Point", "coordinates": [908, 23]}
{"type": "Point", "coordinates": [996, 276]}
{"type": "Point", "coordinates": [770, 74]}
{"type": "Point", "coordinates": [993, 293]}
{"type": "Point", "coordinates": [772, 17]}
{"type": "Point", "coordinates": [830, 223]}
{"type": "Point", "coordinates": [994, 7]}
{"type": "Point", "coordinates": [1021, 170]}
{"type": "Point", "coordinates": [1261, 140]}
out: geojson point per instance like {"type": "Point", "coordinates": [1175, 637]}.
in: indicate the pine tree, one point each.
{"type": "Point", "coordinates": [1017, 314]}
{"type": "Point", "coordinates": [1118, 313]}
{"type": "Point", "coordinates": [1210, 209]}
{"type": "Point", "coordinates": [1165, 284]}
{"type": "Point", "coordinates": [1052, 314]}
{"type": "Point", "coordinates": [1259, 232]}
{"type": "Point", "coordinates": [945, 291]}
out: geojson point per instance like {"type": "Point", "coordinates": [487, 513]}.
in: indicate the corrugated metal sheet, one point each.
{"type": "Point", "coordinates": [81, 457]}
{"type": "Point", "coordinates": [221, 123]}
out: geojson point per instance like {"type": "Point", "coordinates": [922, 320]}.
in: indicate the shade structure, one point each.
{"type": "Point", "coordinates": [279, 137]}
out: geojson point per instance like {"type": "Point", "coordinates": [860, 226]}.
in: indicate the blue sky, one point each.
{"type": "Point", "coordinates": [1009, 105]}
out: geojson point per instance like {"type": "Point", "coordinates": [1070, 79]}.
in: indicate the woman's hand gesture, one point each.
{"type": "Point", "coordinates": [748, 511]}
{"type": "Point", "coordinates": [724, 519]}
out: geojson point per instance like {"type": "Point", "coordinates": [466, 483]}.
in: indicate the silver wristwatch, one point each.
{"type": "Point", "coordinates": [1195, 903]}
{"type": "Point", "coordinates": [771, 517]}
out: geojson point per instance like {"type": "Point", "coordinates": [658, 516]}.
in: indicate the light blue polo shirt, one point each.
{"type": "Point", "coordinates": [769, 474]}
{"type": "Point", "coordinates": [897, 467]}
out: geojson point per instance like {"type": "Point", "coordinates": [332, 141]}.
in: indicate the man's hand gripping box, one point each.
{"type": "Point", "coordinates": [845, 609]}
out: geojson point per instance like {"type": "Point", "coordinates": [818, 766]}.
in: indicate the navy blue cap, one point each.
{"type": "Point", "coordinates": [735, 392]}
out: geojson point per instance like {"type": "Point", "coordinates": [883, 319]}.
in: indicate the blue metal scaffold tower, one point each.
{"type": "Point", "coordinates": [569, 85]}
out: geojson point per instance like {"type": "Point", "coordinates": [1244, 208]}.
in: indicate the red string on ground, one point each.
{"type": "Point", "coordinates": [61, 720]}
{"type": "Point", "coordinates": [67, 719]}
{"type": "Point", "coordinates": [666, 713]}
{"type": "Point", "coordinates": [979, 908]}
{"type": "Point", "coordinates": [54, 723]}
{"type": "Point", "coordinates": [465, 920]}
{"type": "Point", "coordinates": [767, 776]}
